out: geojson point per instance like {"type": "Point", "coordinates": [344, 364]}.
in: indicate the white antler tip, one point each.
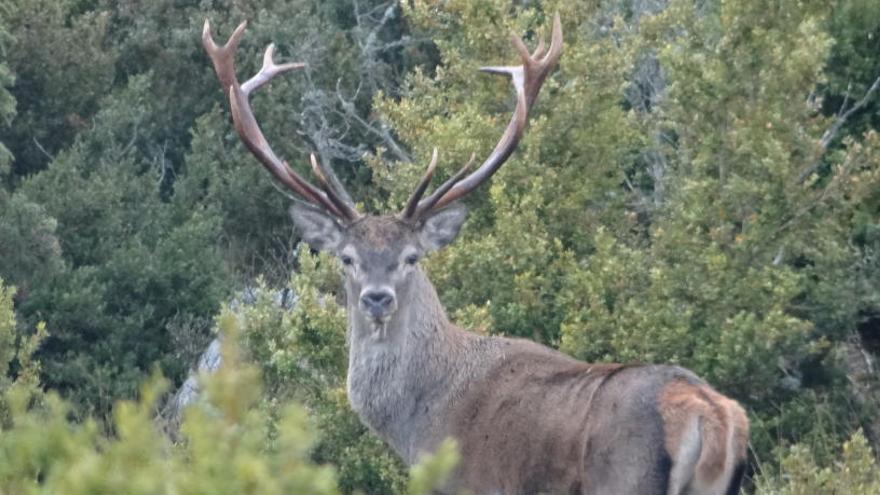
{"type": "Point", "coordinates": [497, 69]}
{"type": "Point", "coordinates": [207, 39]}
{"type": "Point", "coordinates": [316, 168]}
{"type": "Point", "coordinates": [433, 165]}
{"type": "Point", "coordinates": [269, 55]}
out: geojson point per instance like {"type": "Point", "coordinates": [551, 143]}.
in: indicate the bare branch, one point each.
{"type": "Point", "coordinates": [164, 168]}
{"type": "Point", "coordinates": [378, 128]}
{"type": "Point", "coordinates": [43, 150]}
{"type": "Point", "coordinates": [831, 133]}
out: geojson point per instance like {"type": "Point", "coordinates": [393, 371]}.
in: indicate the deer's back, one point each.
{"type": "Point", "coordinates": [541, 422]}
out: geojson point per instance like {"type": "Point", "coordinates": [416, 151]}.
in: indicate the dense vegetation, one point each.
{"type": "Point", "coordinates": [700, 185]}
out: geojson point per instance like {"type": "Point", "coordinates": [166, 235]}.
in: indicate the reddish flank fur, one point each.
{"type": "Point", "coordinates": [722, 430]}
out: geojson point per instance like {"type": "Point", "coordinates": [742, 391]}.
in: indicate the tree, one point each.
{"type": "Point", "coordinates": [7, 79]}
{"type": "Point", "coordinates": [131, 263]}
{"type": "Point", "coordinates": [56, 87]}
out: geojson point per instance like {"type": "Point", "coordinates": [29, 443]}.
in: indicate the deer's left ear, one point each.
{"type": "Point", "coordinates": [442, 226]}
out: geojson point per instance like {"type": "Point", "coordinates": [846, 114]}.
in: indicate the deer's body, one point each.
{"type": "Point", "coordinates": [531, 420]}
{"type": "Point", "coordinates": [527, 419]}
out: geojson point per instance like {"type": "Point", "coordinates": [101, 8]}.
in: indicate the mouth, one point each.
{"type": "Point", "coordinates": [379, 326]}
{"type": "Point", "coordinates": [376, 321]}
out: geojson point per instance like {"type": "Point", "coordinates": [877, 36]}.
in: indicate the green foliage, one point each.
{"type": "Point", "coordinates": [855, 472]}
{"type": "Point", "coordinates": [7, 329]}
{"type": "Point", "coordinates": [233, 441]}
{"type": "Point", "coordinates": [728, 325]}
{"type": "Point", "coordinates": [108, 263]}
{"type": "Point", "coordinates": [57, 88]}
{"type": "Point", "coordinates": [853, 66]}
{"type": "Point", "coordinates": [7, 347]}
{"type": "Point", "coordinates": [19, 372]}
{"type": "Point", "coordinates": [221, 178]}
{"type": "Point", "coordinates": [30, 252]}
{"type": "Point", "coordinates": [228, 447]}
{"type": "Point", "coordinates": [7, 79]}
{"type": "Point", "coordinates": [433, 470]}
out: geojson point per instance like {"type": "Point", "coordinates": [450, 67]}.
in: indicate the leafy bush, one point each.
{"type": "Point", "coordinates": [855, 472]}
{"type": "Point", "coordinates": [232, 441]}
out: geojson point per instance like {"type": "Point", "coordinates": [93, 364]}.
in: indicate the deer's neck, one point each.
{"type": "Point", "coordinates": [400, 383]}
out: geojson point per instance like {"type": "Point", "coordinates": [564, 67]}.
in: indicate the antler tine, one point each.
{"type": "Point", "coordinates": [249, 131]}
{"type": "Point", "coordinates": [413, 201]}
{"type": "Point", "coordinates": [431, 201]}
{"type": "Point", "coordinates": [269, 70]}
{"type": "Point", "coordinates": [341, 205]}
{"type": "Point", "coordinates": [527, 80]}
{"type": "Point", "coordinates": [223, 57]}
{"type": "Point", "coordinates": [246, 124]}
{"type": "Point", "coordinates": [539, 51]}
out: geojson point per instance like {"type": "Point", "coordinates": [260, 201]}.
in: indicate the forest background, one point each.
{"type": "Point", "coordinates": [700, 185]}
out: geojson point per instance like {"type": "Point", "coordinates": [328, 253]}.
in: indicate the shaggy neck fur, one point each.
{"type": "Point", "coordinates": [401, 379]}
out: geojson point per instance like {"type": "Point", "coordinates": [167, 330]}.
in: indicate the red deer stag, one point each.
{"type": "Point", "coordinates": [527, 419]}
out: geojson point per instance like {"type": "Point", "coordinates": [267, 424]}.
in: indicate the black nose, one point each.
{"type": "Point", "coordinates": [377, 302]}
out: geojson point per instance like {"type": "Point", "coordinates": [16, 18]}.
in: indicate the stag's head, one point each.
{"type": "Point", "coordinates": [379, 253]}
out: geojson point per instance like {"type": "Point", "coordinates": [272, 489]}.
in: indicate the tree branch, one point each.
{"type": "Point", "coordinates": [831, 133]}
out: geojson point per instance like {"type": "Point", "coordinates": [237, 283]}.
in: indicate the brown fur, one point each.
{"type": "Point", "coordinates": [723, 427]}
{"type": "Point", "coordinates": [379, 232]}
{"type": "Point", "coordinates": [555, 425]}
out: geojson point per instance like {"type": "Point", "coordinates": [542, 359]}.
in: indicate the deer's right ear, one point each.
{"type": "Point", "coordinates": [319, 229]}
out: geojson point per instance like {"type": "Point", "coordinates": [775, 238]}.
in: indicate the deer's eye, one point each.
{"type": "Point", "coordinates": [412, 259]}
{"type": "Point", "coordinates": [346, 260]}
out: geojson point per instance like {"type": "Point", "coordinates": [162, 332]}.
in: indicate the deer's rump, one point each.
{"type": "Point", "coordinates": [541, 422]}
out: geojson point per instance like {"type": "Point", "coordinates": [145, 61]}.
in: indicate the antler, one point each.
{"type": "Point", "coordinates": [527, 80]}
{"type": "Point", "coordinates": [249, 131]}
